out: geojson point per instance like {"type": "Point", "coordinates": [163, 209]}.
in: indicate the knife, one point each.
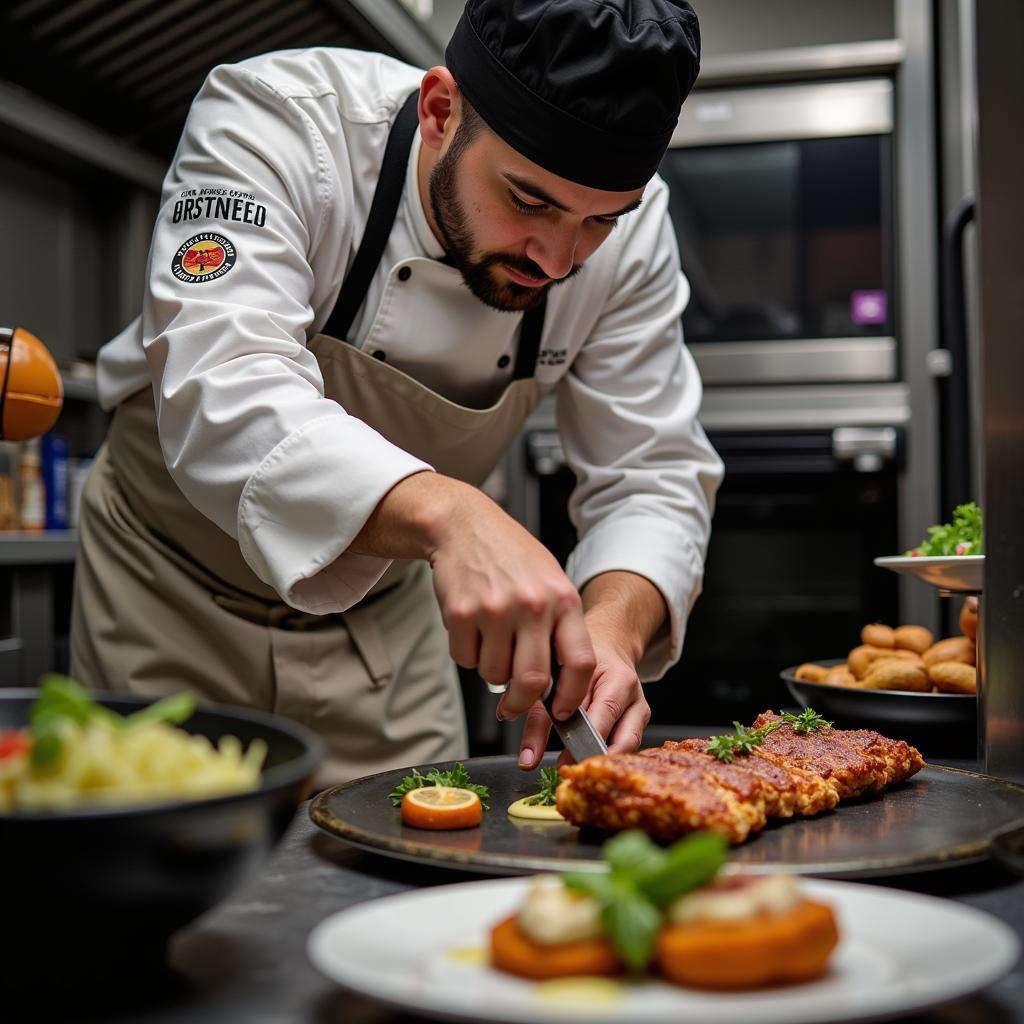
{"type": "Point", "coordinates": [576, 732]}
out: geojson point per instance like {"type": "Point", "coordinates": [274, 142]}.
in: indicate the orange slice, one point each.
{"type": "Point", "coordinates": [441, 807]}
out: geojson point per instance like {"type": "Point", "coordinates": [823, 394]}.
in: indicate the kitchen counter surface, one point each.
{"type": "Point", "coordinates": [246, 961]}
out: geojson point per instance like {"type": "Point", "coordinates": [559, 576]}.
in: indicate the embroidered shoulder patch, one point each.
{"type": "Point", "coordinates": [203, 258]}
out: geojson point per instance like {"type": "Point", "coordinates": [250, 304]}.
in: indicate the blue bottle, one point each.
{"type": "Point", "coordinates": [55, 481]}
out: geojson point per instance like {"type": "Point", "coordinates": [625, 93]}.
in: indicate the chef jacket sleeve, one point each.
{"type": "Point", "coordinates": [245, 429]}
{"type": "Point", "coordinates": [627, 416]}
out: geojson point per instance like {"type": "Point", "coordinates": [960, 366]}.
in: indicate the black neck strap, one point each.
{"type": "Point", "coordinates": [379, 221]}
{"type": "Point", "coordinates": [383, 208]}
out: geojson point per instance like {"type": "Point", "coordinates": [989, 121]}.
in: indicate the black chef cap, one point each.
{"type": "Point", "coordinates": [588, 89]}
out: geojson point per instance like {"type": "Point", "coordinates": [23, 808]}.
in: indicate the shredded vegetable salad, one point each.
{"type": "Point", "coordinates": [75, 752]}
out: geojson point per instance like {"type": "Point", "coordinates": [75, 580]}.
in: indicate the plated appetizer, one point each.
{"type": "Point", "coordinates": [666, 912]}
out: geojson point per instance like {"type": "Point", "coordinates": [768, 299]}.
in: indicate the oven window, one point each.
{"type": "Point", "coordinates": [785, 240]}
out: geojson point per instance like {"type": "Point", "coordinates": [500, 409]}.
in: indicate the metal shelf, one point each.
{"type": "Point", "coordinates": [53, 547]}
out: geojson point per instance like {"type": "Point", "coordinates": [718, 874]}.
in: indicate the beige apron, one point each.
{"type": "Point", "coordinates": [164, 600]}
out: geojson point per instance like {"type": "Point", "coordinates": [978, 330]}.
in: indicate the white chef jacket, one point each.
{"type": "Point", "coordinates": [280, 157]}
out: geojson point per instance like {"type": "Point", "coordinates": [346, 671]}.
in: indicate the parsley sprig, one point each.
{"type": "Point", "coordinates": [745, 738]}
{"type": "Point", "coordinates": [456, 776]}
{"type": "Point", "coordinates": [641, 880]}
{"type": "Point", "coordinates": [549, 780]}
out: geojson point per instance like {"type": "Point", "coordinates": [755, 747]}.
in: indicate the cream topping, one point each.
{"type": "Point", "coordinates": [553, 914]}
{"type": "Point", "coordinates": [771, 894]}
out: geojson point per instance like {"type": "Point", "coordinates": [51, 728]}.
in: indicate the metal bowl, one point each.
{"type": "Point", "coordinates": [95, 890]}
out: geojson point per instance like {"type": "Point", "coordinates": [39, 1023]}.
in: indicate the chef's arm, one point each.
{"type": "Point", "coordinates": [504, 598]}
{"type": "Point", "coordinates": [625, 610]}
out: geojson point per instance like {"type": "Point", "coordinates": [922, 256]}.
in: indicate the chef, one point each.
{"type": "Point", "coordinates": [363, 279]}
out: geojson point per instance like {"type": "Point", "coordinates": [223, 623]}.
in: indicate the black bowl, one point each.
{"type": "Point", "coordinates": [95, 890]}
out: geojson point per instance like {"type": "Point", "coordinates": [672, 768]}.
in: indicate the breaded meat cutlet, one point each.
{"type": "Point", "coordinates": [901, 759]}
{"type": "Point", "coordinates": [788, 790]}
{"type": "Point", "coordinates": [852, 772]}
{"type": "Point", "coordinates": [665, 798]}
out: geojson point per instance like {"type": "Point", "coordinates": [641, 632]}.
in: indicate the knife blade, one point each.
{"type": "Point", "coordinates": [576, 732]}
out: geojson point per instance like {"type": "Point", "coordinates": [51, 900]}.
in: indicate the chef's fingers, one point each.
{"type": "Point", "coordinates": [628, 733]}
{"type": "Point", "coordinates": [463, 637]}
{"type": "Point", "coordinates": [534, 741]}
{"type": "Point", "coordinates": [531, 669]}
{"type": "Point", "coordinates": [494, 663]}
{"type": "Point", "coordinates": [576, 660]}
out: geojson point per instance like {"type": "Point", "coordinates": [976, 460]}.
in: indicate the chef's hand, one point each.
{"type": "Point", "coordinates": [615, 702]}
{"type": "Point", "coordinates": [504, 601]}
{"type": "Point", "coordinates": [623, 612]}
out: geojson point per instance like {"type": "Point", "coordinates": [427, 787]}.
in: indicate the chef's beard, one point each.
{"type": "Point", "coordinates": [477, 272]}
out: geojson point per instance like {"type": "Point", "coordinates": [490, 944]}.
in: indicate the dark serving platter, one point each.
{"type": "Point", "coordinates": [940, 817]}
{"type": "Point", "coordinates": [940, 724]}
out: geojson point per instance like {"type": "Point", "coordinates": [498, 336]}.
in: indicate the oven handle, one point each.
{"type": "Point", "coordinates": [865, 449]}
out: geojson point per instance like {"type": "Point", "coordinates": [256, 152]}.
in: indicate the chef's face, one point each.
{"type": "Point", "coordinates": [513, 229]}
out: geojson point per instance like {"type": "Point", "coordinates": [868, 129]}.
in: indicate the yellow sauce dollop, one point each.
{"type": "Point", "coordinates": [578, 992]}
{"type": "Point", "coordinates": [472, 956]}
{"type": "Point", "coordinates": [521, 809]}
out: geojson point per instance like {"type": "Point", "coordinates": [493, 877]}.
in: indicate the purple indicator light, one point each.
{"type": "Point", "coordinates": [868, 307]}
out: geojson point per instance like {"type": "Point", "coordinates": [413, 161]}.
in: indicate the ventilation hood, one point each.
{"type": "Point", "coordinates": [132, 67]}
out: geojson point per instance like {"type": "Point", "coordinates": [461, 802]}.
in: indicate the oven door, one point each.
{"type": "Point", "coordinates": [789, 574]}
{"type": "Point", "coordinates": [781, 201]}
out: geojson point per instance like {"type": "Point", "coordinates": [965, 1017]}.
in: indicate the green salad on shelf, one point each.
{"type": "Point", "coordinates": [962, 536]}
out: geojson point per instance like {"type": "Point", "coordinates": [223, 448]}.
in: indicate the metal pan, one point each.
{"type": "Point", "coordinates": [941, 817]}
{"type": "Point", "coordinates": [939, 724]}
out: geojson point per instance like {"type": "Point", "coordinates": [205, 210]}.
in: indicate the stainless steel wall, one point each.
{"type": "Point", "coordinates": [1000, 76]}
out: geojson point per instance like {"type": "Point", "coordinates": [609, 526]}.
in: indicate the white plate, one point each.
{"type": "Point", "coordinates": [422, 951]}
{"type": "Point", "coordinates": [962, 573]}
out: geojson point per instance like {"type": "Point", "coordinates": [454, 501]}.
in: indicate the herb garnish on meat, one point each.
{"type": "Point", "coordinates": [744, 739]}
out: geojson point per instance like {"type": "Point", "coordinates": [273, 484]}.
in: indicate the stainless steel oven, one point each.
{"type": "Point", "coordinates": [782, 201]}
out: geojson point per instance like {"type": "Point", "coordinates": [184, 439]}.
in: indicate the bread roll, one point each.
{"type": "Point", "coordinates": [954, 677]}
{"type": "Point", "coordinates": [956, 648]}
{"type": "Point", "coordinates": [811, 673]}
{"type": "Point", "coordinates": [878, 635]}
{"type": "Point", "coordinates": [840, 675]}
{"type": "Point", "coordinates": [913, 638]}
{"type": "Point", "coordinates": [896, 674]}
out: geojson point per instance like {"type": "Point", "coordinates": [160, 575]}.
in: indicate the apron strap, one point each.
{"type": "Point", "coordinates": [383, 207]}
{"type": "Point", "coordinates": [529, 339]}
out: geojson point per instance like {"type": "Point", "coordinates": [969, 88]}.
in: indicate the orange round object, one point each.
{"type": "Point", "coordinates": [765, 950]}
{"type": "Point", "coordinates": [514, 952]}
{"type": "Point", "coordinates": [31, 390]}
{"type": "Point", "coordinates": [441, 807]}
{"type": "Point", "coordinates": [969, 618]}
